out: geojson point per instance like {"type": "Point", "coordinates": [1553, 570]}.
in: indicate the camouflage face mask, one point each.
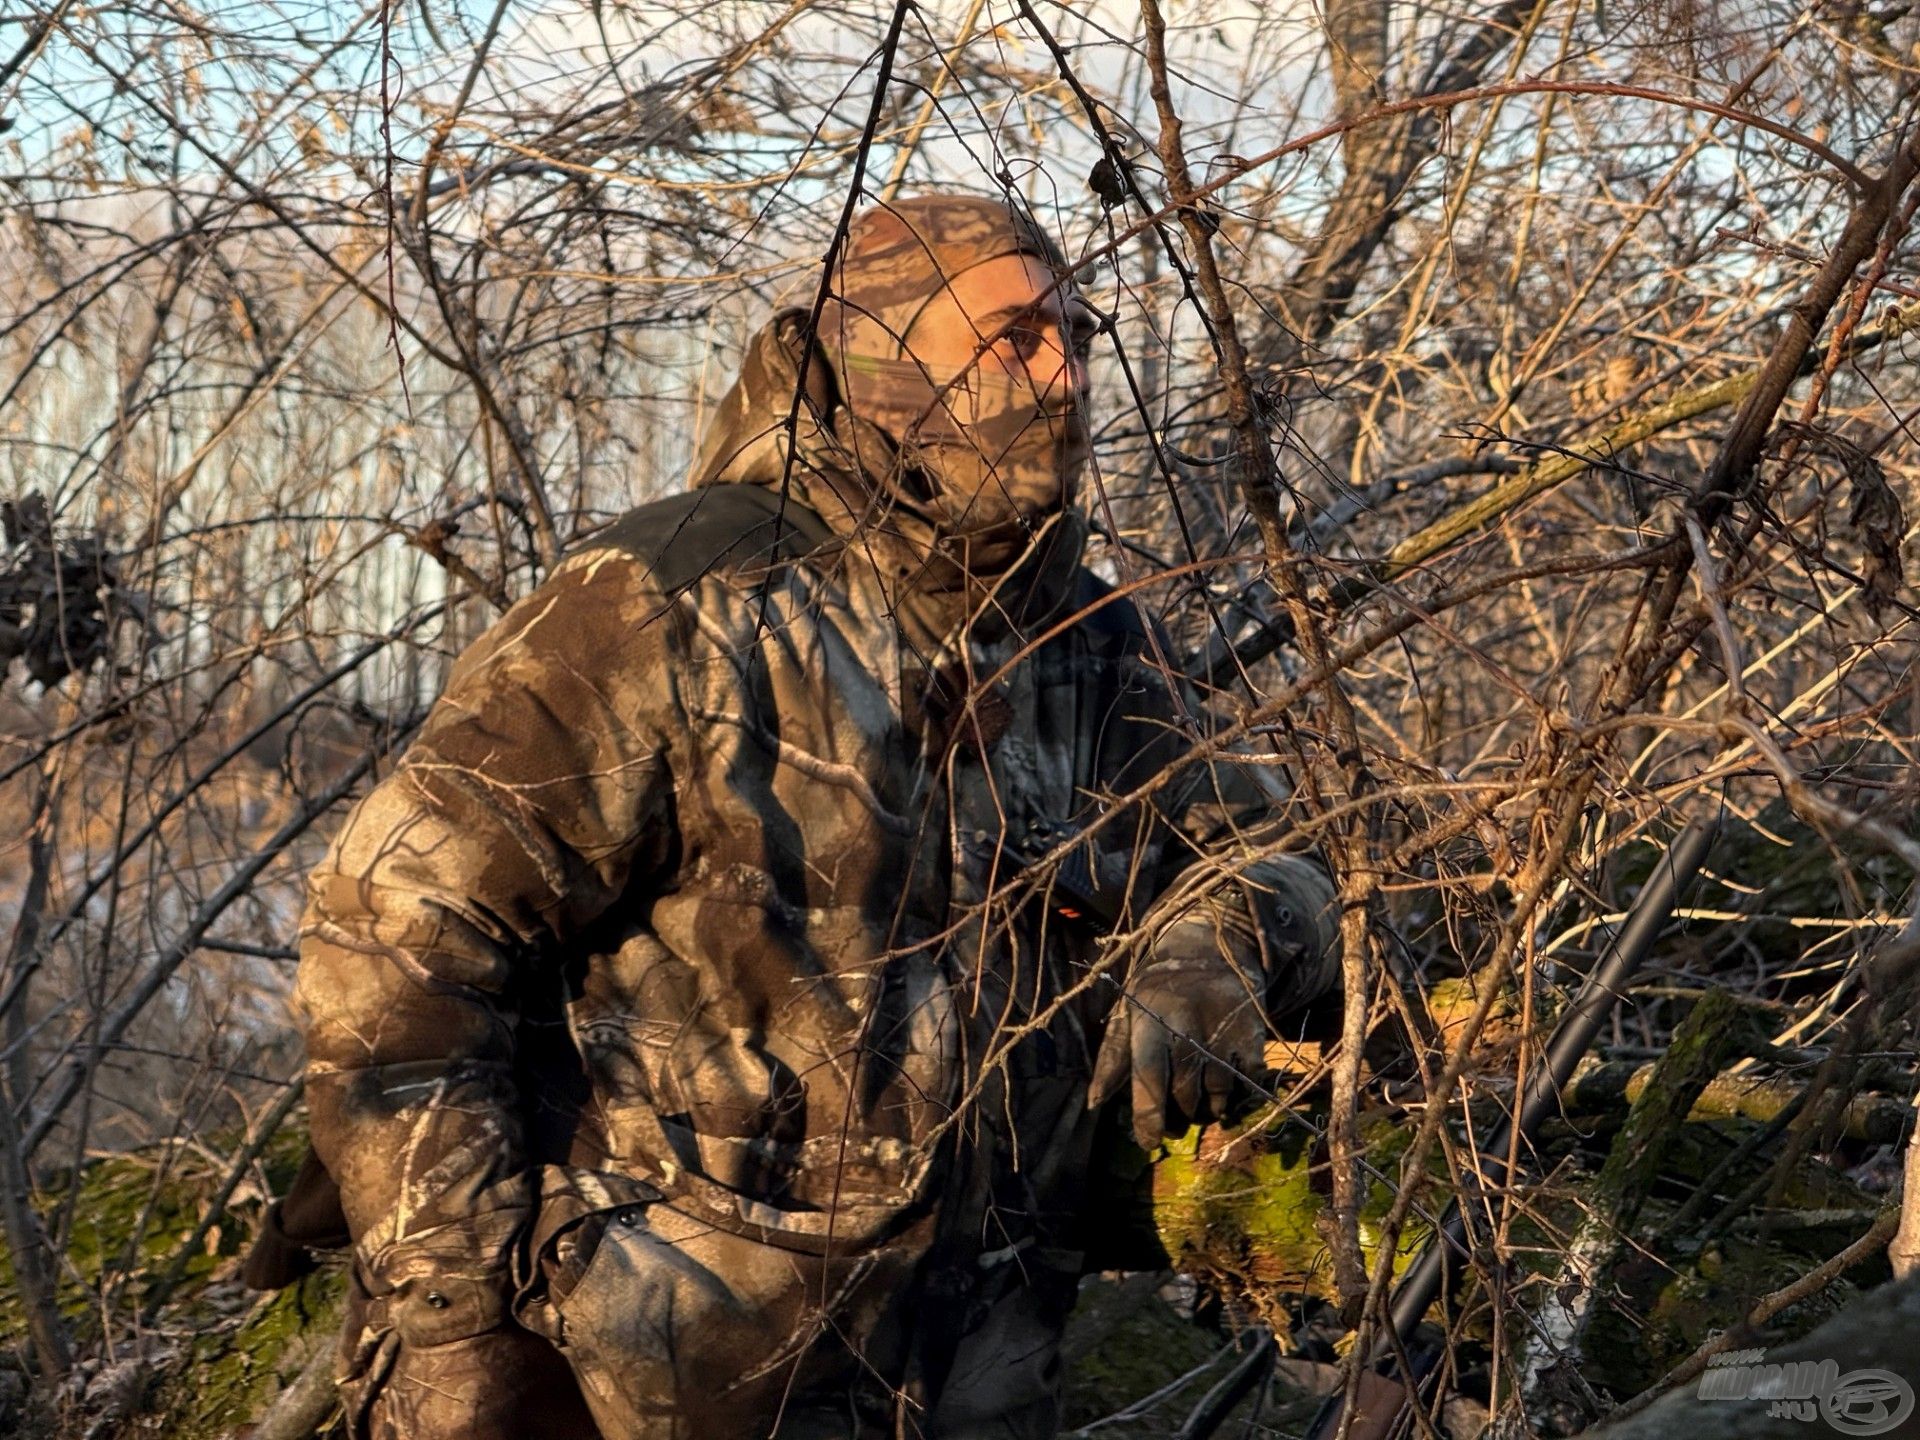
{"type": "Point", "coordinates": [994, 451]}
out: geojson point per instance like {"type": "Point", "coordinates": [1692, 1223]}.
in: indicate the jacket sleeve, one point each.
{"type": "Point", "coordinates": [536, 789]}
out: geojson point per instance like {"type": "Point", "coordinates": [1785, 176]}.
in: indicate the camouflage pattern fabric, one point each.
{"type": "Point", "coordinates": [978, 452]}
{"type": "Point", "coordinates": [688, 1003]}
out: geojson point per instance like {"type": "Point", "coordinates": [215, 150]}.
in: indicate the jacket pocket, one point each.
{"type": "Point", "coordinates": [368, 1347]}
{"type": "Point", "coordinates": [428, 1312]}
{"type": "Point", "coordinates": [576, 1205]}
{"type": "Point", "coordinates": [661, 1314]}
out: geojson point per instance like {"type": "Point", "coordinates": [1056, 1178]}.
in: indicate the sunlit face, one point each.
{"type": "Point", "coordinates": [1005, 344]}
{"type": "Point", "coordinates": [1013, 315]}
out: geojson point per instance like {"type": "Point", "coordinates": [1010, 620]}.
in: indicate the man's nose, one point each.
{"type": "Point", "coordinates": [1067, 370]}
{"type": "Point", "coordinates": [1077, 375]}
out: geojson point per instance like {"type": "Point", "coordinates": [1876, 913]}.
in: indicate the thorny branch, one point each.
{"type": "Point", "coordinates": [1259, 480]}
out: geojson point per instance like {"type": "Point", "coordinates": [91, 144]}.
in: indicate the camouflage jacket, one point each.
{"type": "Point", "coordinates": [729, 867]}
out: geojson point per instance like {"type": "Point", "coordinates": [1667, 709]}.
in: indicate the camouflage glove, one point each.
{"type": "Point", "coordinates": [306, 1219]}
{"type": "Point", "coordinates": [1190, 1034]}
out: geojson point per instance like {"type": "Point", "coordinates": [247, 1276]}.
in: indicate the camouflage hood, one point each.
{"type": "Point", "coordinates": [852, 475]}
{"type": "Point", "coordinates": [966, 468]}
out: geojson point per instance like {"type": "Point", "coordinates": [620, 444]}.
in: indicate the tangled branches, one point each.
{"type": "Point", "coordinates": [1509, 411]}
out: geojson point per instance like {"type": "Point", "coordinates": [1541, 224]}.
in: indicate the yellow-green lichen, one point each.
{"type": "Point", "coordinates": [1245, 1209]}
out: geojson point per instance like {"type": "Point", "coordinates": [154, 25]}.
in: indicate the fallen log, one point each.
{"type": "Point", "coordinates": [1601, 1086]}
{"type": "Point", "coordinates": [1553, 1355]}
{"type": "Point", "coordinates": [1861, 1369]}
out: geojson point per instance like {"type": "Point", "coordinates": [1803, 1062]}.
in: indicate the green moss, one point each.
{"type": "Point", "coordinates": [1672, 1290]}
{"type": "Point", "coordinates": [1245, 1210]}
{"type": "Point", "coordinates": [1145, 1346]}
{"type": "Point", "coordinates": [1663, 1308]}
{"type": "Point", "coordinates": [235, 1371]}
{"type": "Point", "coordinates": [132, 1217]}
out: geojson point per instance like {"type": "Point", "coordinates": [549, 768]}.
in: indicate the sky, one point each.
{"type": "Point", "coordinates": [313, 70]}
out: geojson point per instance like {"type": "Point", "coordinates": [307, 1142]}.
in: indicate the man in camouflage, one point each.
{"type": "Point", "coordinates": [714, 1018]}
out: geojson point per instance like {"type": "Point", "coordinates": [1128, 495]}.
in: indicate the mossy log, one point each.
{"type": "Point", "coordinates": [1878, 1332]}
{"type": "Point", "coordinates": [1552, 1354]}
{"type": "Point", "coordinates": [1601, 1086]}
{"type": "Point", "coordinates": [214, 1356]}
{"type": "Point", "coordinates": [1244, 1210]}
